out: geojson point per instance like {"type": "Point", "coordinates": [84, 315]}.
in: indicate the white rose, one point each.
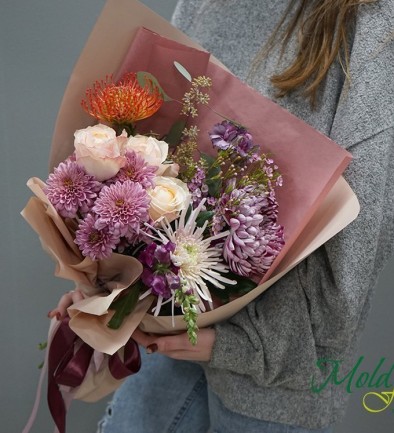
{"type": "Point", "coordinates": [153, 151]}
{"type": "Point", "coordinates": [168, 170]}
{"type": "Point", "coordinates": [168, 198]}
{"type": "Point", "coordinates": [100, 151]}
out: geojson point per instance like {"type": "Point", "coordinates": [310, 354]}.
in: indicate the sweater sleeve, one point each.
{"type": "Point", "coordinates": [317, 307]}
{"type": "Point", "coordinates": [185, 13]}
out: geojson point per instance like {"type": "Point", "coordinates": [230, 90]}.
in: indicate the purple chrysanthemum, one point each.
{"type": "Point", "coordinates": [123, 207]}
{"type": "Point", "coordinates": [94, 243]}
{"type": "Point", "coordinates": [71, 190]}
{"type": "Point", "coordinates": [137, 170]}
{"type": "Point", "coordinates": [255, 237]}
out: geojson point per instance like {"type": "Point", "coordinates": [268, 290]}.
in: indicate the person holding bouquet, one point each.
{"type": "Point", "coordinates": [331, 64]}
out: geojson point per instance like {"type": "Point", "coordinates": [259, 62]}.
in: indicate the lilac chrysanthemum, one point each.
{"type": "Point", "coordinates": [123, 207]}
{"type": "Point", "coordinates": [137, 170]}
{"type": "Point", "coordinates": [255, 237]}
{"type": "Point", "coordinates": [94, 243]}
{"type": "Point", "coordinates": [71, 190]}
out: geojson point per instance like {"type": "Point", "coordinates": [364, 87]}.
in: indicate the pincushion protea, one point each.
{"type": "Point", "coordinates": [122, 103]}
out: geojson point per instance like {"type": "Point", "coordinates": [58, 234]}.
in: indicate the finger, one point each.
{"type": "Point", "coordinates": [173, 343]}
{"type": "Point", "coordinates": [186, 355]}
{"type": "Point", "coordinates": [61, 309]}
{"type": "Point", "coordinates": [76, 296]}
{"type": "Point", "coordinates": [65, 301]}
{"type": "Point", "coordinates": [179, 346]}
{"type": "Point", "coordinates": [142, 338]}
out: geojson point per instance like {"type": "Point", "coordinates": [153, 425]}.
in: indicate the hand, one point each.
{"type": "Point", "coordinates": [178, 346]}
{"type": "Point", "coordinates": [65, 301]}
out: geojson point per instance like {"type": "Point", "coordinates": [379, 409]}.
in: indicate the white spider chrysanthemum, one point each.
{"type": "Point", "coordinates": [199, 262]}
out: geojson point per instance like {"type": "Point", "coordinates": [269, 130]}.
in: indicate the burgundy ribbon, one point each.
{"type": "Point", "coordinates": [68, 367]}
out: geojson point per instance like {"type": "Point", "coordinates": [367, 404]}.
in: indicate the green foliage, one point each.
{"type": "Point", "coordinates": [124, 305]}
{"type": "Point", "coordinates": [204, 216]}
{"type": "Point", "coordinates": [174, 136]}
{"type": "Point", "coordinates": [147, 79]}
{"type": "Point", "coordinates": [43, 345]}
{"type": "Point", "coordinates": [244, 285]}
{"type": "Point", "coordinates": [213, 175]}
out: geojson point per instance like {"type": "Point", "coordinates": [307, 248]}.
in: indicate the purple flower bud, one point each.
{"type": "Point", "coordinates": [223, 134]}
{"type": "Point", "coordinates": [226, 135]}
{"type": "Point", "coordinates": [159, 286]}
{"type": "Point", "coordinates": [244, 143]}
{"type": "Point", "coordinates": [173, 281]}
{"type": "Point", "coordinates": [147, 277]}
{"type": "Point", "coordinates": [162, 255]}
{"type": "Point", "coordinates": [170, 247]}
{"type": "Point", "coordinates": [146, 256]}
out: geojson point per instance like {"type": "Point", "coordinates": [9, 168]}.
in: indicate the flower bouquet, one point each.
{"type": "Point", "coordinates": [193, 223]}
{"type": "Point", "coordinates": [173, 204]}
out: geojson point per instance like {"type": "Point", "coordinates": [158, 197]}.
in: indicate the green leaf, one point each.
{"type": "Point", "coordinates": [204, 216]}
{"type": "Point", "coordinates": [128, 127]}
{"type": "Point", "coordinates": [173, 138]}
{"type": "Point", "coordinates": [124, 305]}
{"type": "Point", "coordinates": [42, 346]}
{"type": "Point", "coordinates": [209, 160]}
{"type": "Point", "coordinates": [188, 213]}
{"type": "Point", "coordinates": [244, 285]}
{"type": "Point", "coordinates": [146, 78]}
{"type": "Point", "coordinates": [182, 70]}
{"type": "Point", "coordinates": [213, 180]}
{"type": "Point", "coordinates": [214, 187]}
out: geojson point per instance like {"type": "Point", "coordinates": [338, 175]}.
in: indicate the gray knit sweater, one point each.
{"type": "Point", "coordinates": [265, 356]}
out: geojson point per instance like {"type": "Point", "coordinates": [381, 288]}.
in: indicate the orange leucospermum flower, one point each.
{"type": "Point", "coordinates": [124, 102]}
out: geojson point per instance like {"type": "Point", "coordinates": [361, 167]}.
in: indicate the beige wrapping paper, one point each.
{"type": "Point", "coordinates": [100, 281]}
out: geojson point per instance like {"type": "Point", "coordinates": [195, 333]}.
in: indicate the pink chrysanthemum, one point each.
{"type": "Point", "coordinates": [123, 207]}
{"type": "Point", "coordinates": [137, 170]}
{"type": "Point", "coordinates": [71, 190]}
{"type": "Point", "coordinates": [94, 243]}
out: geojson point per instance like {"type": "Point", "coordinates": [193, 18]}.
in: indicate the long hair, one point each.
{"type": "Point", "coordinates": [323, 29]}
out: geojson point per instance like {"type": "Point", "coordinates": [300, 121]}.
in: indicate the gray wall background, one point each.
{"type": "Point", "coordinates": [39, 43]}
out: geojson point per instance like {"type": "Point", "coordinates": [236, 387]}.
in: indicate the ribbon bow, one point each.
{"type": "Point", "coordinates": [68, 362]}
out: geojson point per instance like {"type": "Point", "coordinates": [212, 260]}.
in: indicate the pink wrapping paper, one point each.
{"type": "Point", "coordinates": [309, 161]}
{"type": "Point", "coordinates": [315, 202]}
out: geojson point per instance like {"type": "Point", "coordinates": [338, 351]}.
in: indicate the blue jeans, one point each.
{"type": "Point", "coordinates": [169, 396]}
